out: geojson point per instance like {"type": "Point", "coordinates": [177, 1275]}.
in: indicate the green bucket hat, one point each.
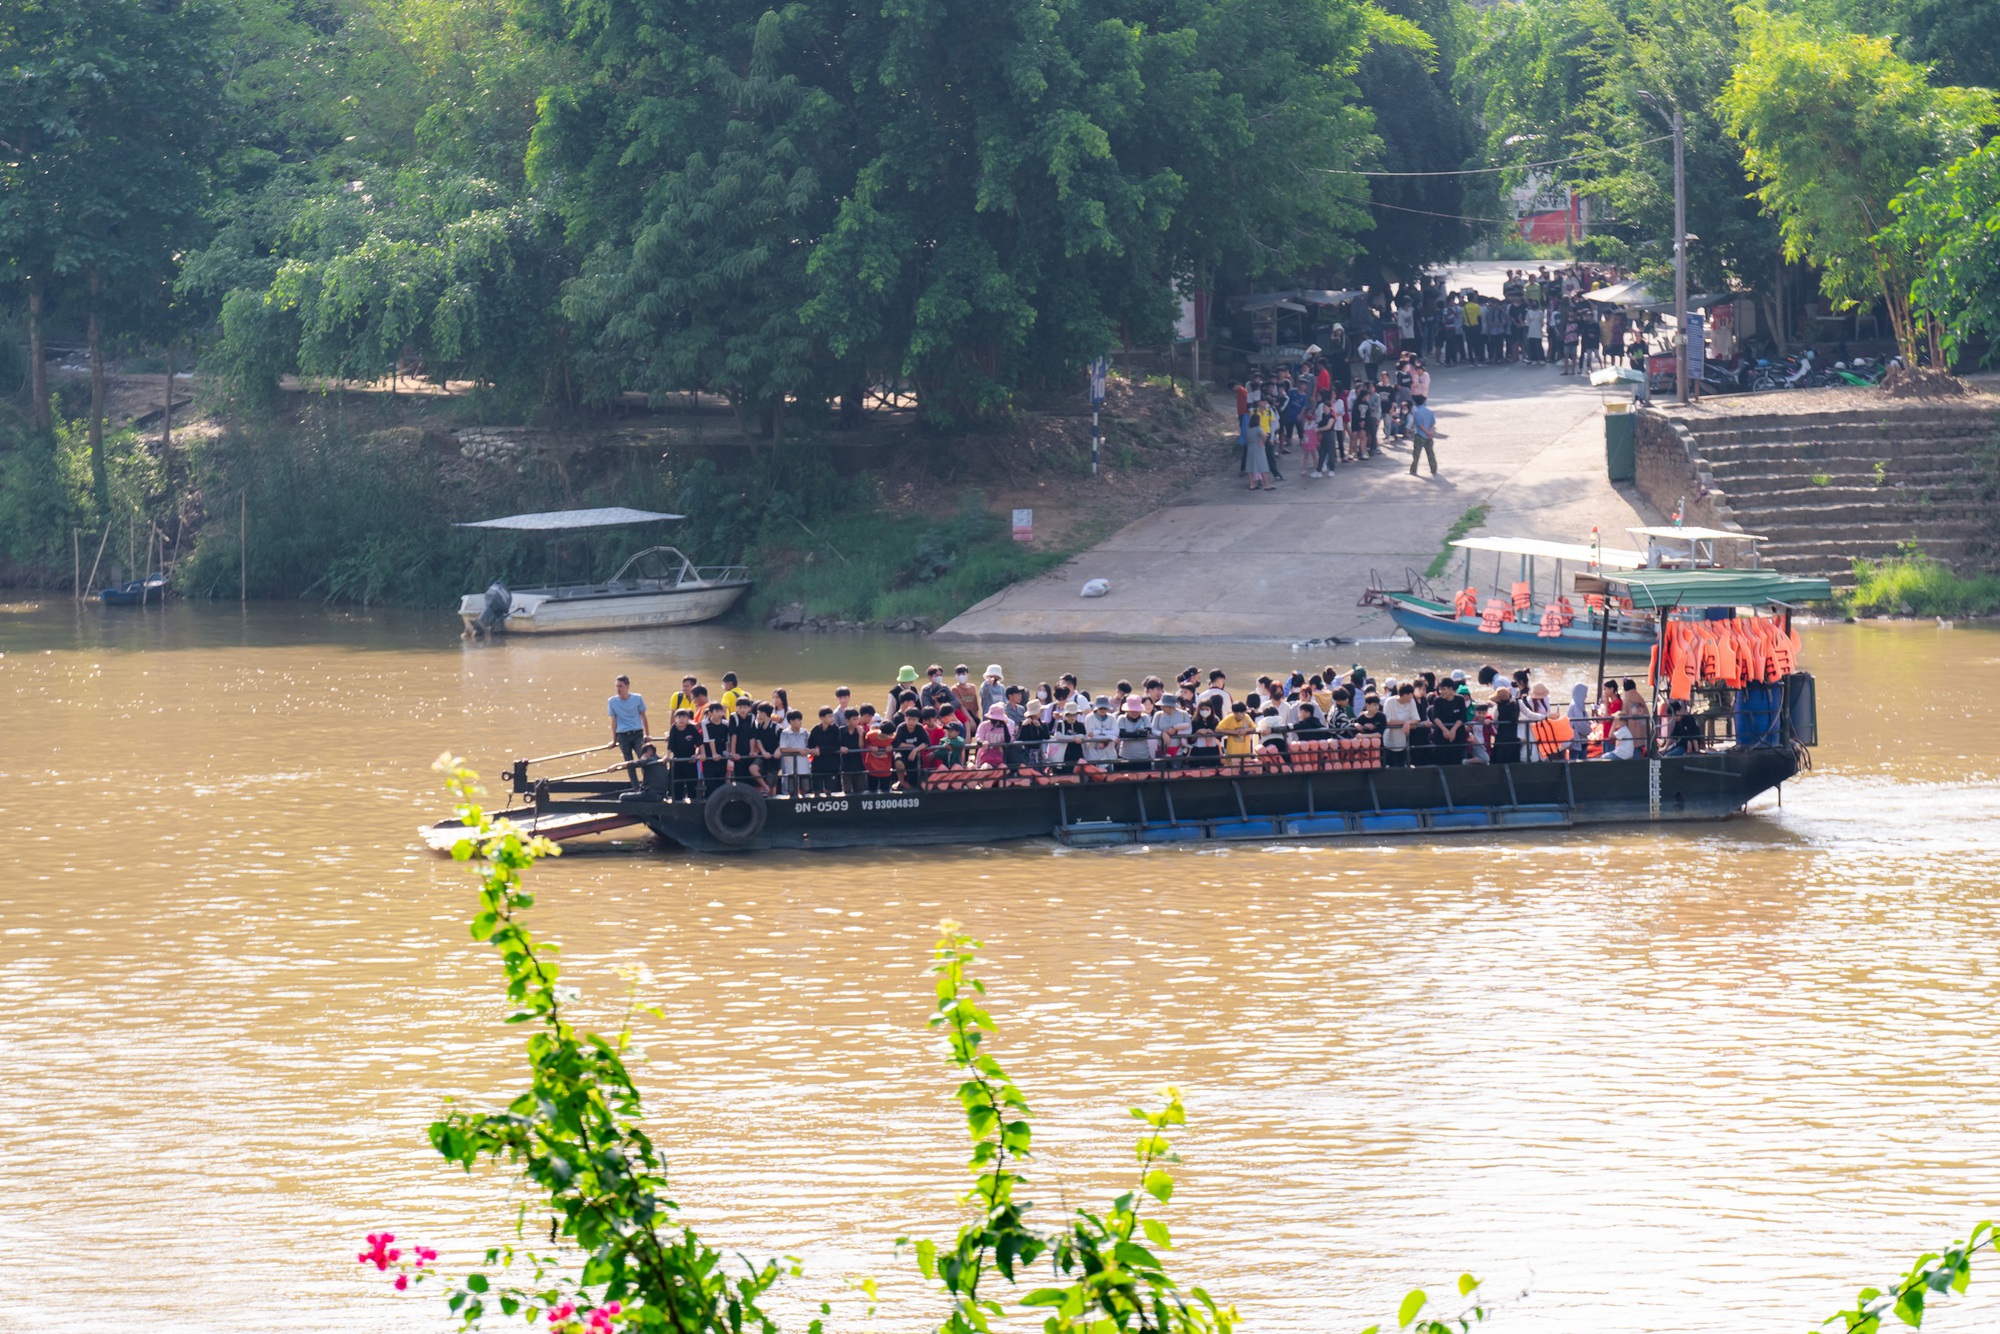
{"type": "Point", "coordinates": [906, 674]}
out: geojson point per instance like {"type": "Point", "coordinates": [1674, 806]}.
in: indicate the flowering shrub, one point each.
{"type": "Point", "coordinates": [382, 1254]}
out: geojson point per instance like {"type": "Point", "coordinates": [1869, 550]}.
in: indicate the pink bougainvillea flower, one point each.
{"type": "Point", "coordinates": [402, 1282]}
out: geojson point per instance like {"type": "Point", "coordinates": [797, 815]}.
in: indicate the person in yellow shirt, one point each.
{"type": "Point", "coordinates": [1475, 341]}
{"type": "Point", "coordinates": [682, 698]}
{"type": "Point", "coordinates": [1239, 733]}
{"type": "Point", "coordinates": [731, 692]}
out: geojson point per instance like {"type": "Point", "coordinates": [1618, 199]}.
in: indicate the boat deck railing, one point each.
{"type": "Point", "coordinates": [1718, 723]}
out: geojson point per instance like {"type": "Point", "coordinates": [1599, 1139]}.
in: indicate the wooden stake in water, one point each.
{"type": "Point", "coordinates": [76, 562]}
{"type": "Point", "coordinates": [243, 549]}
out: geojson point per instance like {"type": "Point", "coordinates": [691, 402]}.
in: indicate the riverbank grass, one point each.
{"type": "Point", "coordinates": [1471, 519]}
{"type": "Point", "coordinates": [1914, 584]}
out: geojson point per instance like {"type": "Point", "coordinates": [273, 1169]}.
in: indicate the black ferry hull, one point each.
{"type": "Point", "coordinates": [1145, 809]}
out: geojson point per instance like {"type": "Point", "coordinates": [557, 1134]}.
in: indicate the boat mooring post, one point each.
{"type": "Point", "coordinates": [243, 548]}
{"type": "Point", "coordinates": [1603, 643]}
{"type": "Point", "coordinates": [1098, 369]}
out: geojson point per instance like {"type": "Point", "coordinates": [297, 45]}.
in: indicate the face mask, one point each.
{"type": "Point", "coordinates": [1042, 695]}
{"type": "Point", "coordinates": [964, 676]}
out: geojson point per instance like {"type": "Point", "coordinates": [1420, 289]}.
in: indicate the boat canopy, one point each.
{"type": "Point", "coordinates": [557, 521]}
{"type": "Point", "coordinates": [1635, 294]}
{"type": "Point", "coordinates": [1610, 557]}
{"type": "Point", "coordinates": [1688, 534]}
{"type": "Point", "coordinates": [1654, 589]}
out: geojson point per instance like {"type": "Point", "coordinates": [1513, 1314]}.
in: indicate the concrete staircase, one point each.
{"type": "Point", "coordinates": [1828, 487]}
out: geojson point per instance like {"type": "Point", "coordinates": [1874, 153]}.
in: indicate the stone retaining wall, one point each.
{"type": "Point", "coordinates": [1670, 472]}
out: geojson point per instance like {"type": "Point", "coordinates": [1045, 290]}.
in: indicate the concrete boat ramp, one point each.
{"type": "Point", "coordinates": [1224, 562]}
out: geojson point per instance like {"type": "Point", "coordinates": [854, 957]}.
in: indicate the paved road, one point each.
{"type": "Point", "coordinates": [1225, 562]}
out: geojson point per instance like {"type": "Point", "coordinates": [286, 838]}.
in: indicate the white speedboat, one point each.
{"type": "Point", "coordinates": [659, 586]}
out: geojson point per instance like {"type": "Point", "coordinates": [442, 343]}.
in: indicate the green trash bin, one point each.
{"type": "Point", "coordinates": [1621, 446]}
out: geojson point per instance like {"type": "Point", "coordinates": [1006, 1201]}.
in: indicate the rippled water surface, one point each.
{"type": "Point", "coordinates": [1709, 1078]}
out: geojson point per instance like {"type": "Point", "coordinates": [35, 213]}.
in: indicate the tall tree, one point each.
{"type": "Point", "coordinates": [976, 198]}
{"type": "Point", "coordinates": [1949, 221]}
{"type": "Point", "coordinates": [111, 109]}
{"type": "Point", "coordinates": [1833, 126]}
{"type": "Point", "coordinates": [1599, 80]}
{"type": "Point", "coordinates": [1422, 125]}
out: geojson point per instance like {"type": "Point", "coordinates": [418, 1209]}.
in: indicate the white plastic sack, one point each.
{"type": "Point", "coordinates": [1097, 588]}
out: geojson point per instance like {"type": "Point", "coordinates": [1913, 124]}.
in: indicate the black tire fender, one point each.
{"type": "Point", "coordinates": [734, 814]}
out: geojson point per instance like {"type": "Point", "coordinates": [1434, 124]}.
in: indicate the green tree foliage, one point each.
{"type": "Point", "coordinates": [691, 168]}
{"type": "Point", "coordinates": [975, 199]}
{"type": "Point", "coordinates": [1566, 77]}
{"type": "Point", "coordinates": [1958, 39]}
{"type": "Point", "coordinates": [110, 120]}
{"type": "Point", "coordinates": [1833, 126]}
{"type": "Point", "coordinates": [347, 281]}
{"type": "Point", "coordinates": [1422, 125]}
{"type": "Point", "coordinates": [1949, 217]}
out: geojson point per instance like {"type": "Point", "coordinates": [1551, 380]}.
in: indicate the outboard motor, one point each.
{"type": "Point", "coordinates": [498, 603]}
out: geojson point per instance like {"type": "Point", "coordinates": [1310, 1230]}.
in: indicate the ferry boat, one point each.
{"type": "Point", "coordinates": [1305, 797]}
{"type": "Point", "coordinates": [1756, 717]}
{"type": "Point", "coordinates": [659, 586]}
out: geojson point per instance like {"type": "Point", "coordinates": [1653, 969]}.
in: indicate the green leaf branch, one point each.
{"type": "Point", "coordinates": [1933, 1275]}
{"type": "Point", "coordinates": [1108, 1278]}
{"type": "Point", "coordinates": [575, 1134]}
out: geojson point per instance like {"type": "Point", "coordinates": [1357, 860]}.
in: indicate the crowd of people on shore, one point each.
{"type": "Point", "coordinates": [1371, 382]}
{"type": "Point", "coordinates": [940, 720]}
{"type": "Point", "coordinates": [1541, 317]}
{"type": "Point", "coordinates": [1334, 423]}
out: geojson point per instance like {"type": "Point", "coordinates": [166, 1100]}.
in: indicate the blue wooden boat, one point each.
{"type": "Point", "coordinates": [136, 593]}
{"type": "Point", "coordinates": [1429, 622]}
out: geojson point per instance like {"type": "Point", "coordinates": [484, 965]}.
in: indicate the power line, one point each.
{"type": "Point", "coordinates": [1455, 217]}
{"type": "Point", "coordinates": [1514, 166]}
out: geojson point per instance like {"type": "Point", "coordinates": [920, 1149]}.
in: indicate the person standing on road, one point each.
{"type": "Point", "coordinates": [628, 723]}
{"type": "Point", "coordinates": [1371, 352]}
{"type": "Point", "coordinates": [1423, 435]}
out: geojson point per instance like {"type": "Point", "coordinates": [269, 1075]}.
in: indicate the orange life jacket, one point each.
{"type": "Point", "coordinates": [1524, 597]}
{"type": "Point", "coordinates": [1681, 670]}
{"type": "Point", "coordinates": [1498, 612]}
{"type": "Point", "coordinates": [1466, 603]}
{"type": "Point", "coordinates": [1552, 622]}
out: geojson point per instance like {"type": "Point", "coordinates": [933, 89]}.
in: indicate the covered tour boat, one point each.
{"type": "Point", "coordinates": [659, 586]}
{"type": "Point", "coordinates": [1507, 614]}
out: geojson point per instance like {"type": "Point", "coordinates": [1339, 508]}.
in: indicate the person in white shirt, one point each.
{"type": "Point", "coordinates": [1402, 714]}
{"type": "Point", "coordinates": [792, 757]}
{"type": "Point", "coordinates": [1100, 734]}
{"type": "Point", "coordinates": [1171, 728]}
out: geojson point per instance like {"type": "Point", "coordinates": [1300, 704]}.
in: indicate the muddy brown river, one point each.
{"type": "Point", "coordinates": [1709, 1078]}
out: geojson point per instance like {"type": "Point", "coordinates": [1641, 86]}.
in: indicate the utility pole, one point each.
{"type": "Point", "coordinates": [1680, 265]}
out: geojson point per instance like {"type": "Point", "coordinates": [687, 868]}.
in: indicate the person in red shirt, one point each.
{"type": "Point", "coordinates": [1323, 384]}
{"type": "Point", "coordinates": [878, 756]}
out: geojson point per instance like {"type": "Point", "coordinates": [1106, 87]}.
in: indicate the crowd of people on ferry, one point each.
{"type": "Point", "coordinates": [943, 720]}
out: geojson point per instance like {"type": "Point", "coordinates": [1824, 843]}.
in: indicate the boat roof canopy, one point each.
{"type": "Point", "coordinates": [1694, 534]}
{"type": "Point", "coordinates": [557, 521]}
{"type": "Point", "coordinates": [1610, 557]}
{"type": "Point", "coordinates": [1709, 588]}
